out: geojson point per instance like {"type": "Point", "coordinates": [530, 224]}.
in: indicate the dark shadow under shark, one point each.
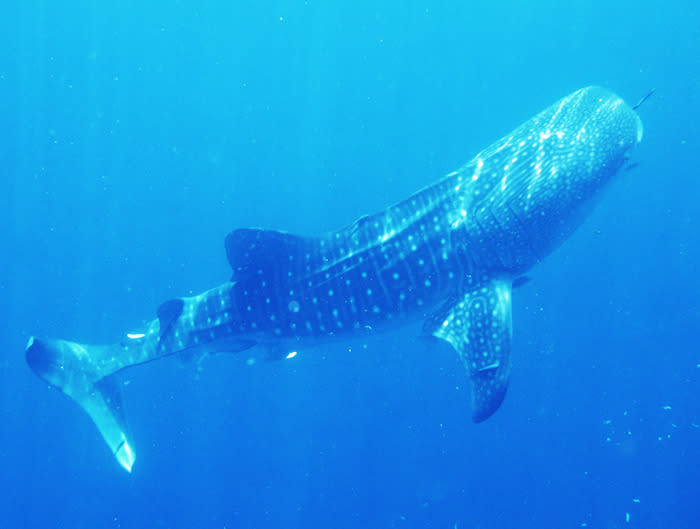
{"type": "Point", "coordinates": [447, 256]}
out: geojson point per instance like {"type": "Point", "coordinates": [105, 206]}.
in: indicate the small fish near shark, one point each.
{"type": "Point", "coordinates": [447, 256]}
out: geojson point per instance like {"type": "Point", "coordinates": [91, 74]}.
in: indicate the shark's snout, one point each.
{"type": "Point", "coordinates": [625, 122]}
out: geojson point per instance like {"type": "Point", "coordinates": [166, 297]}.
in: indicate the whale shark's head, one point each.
{"type": "Point", "coordinates": [584, 138]}
{"type": "Point", "coordinates": [545, 175]}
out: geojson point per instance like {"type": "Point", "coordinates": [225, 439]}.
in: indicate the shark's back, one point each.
{"type": "Point", "coordinates": [381, 268]}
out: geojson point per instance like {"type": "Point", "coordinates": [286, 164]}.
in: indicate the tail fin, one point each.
{"type": "Point", "coordinates": [76, 370]}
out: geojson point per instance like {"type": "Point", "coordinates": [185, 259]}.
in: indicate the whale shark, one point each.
{"type": "Point", "coordinates": [447, 257]}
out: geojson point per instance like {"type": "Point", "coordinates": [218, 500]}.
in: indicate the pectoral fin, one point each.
{"type": "Point", "coordinates": [478, 327]}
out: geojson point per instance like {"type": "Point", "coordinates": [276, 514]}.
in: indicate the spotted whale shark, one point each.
{"type": "Point", "coordinates": [447, 257]}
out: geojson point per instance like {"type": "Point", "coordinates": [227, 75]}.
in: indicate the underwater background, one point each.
{"type": "Point", "coordinates": [136, 135]}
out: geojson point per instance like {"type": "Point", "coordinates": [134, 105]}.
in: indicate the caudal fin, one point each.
{"type": "Point", "coordinates": [78, 371]}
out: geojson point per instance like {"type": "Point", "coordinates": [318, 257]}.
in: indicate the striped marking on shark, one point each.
{"type": "Point", "coordinates": [447, 256]}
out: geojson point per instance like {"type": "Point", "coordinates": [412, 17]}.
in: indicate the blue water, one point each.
{"type": "Point", "coordinates": [136, 135]}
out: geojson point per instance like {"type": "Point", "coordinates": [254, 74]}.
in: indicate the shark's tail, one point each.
{"type": "Point", "coordinates": [82, 372]}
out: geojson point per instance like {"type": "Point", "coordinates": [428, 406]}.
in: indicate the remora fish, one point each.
{"type": "Point", "coordinates": [447, 255]}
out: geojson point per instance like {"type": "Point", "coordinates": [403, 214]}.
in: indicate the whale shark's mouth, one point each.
{"type": "Point", "coordinates": [640, 129]}
{"type": "Point", "coordinates": [628, 164]}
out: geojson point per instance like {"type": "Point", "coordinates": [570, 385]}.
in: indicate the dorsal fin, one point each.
{"type": "Point", "coordinates": [253, 252]}
{"type": "Point", "coordinates": [168, 312]}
